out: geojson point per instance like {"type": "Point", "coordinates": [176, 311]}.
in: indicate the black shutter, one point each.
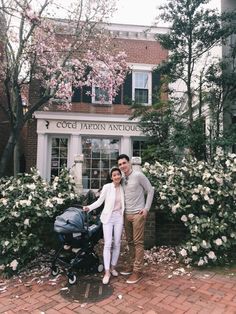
{"type": "Point", "coordinates": [155, 86]}
{"type": "Point", "coordinates": [76, 97]}
{"type": "Point", "coordinates": [117, 99]}
{"type": "Point", "coordinates": [128, 89]}
{"type": "Point", "coordinates": [86, 94]}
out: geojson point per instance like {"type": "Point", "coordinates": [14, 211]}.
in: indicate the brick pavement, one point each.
{"type": "Point", "coordinates": [160, 291]}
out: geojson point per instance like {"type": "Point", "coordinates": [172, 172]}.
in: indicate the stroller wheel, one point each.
{"type": "Point", "coordinates": [100, 268]}
{"type": "Point", "coordinates": [71, 278]}
{"type": "Point", "coordinates": [55, 271]}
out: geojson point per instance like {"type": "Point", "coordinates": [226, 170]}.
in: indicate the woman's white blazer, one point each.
{"type": "Point", "coordinates": [108, 195]}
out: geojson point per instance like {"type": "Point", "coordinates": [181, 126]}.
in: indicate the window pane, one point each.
{"type": "Point", "coordinates": [141, 80]}
{"type": "Point", "coordinates": [59, 155]}
{"type": "Point", "coordinates": [141, 96]}
{"type": "Point", "coordinates": [103, 153]}
{"type": "Point", "coordinates": [138, 147]}
{"type": "Point", "coordinates": [101, 94]}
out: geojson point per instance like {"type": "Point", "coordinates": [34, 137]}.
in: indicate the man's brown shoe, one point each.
{"type": "Point", "coordinates": [127, 271]}
{"type": "Point", "coordinates": [135, 277]}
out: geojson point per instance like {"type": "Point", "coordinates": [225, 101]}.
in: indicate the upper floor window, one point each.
{"type": "Point", "coordinates": [100, 95]}
{"type": "Point", "coordinates": [142, 87]}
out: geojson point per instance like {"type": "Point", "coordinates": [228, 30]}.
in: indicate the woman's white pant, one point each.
{"type": "Point", "coordinates": [113, 227]}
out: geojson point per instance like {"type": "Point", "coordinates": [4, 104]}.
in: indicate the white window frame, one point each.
{"type": "Point", "coordinates": [147, 68]}
{"type": "Point", "coordinates": [94, 101]}
{"type": "Point", "coordinates": [51, 136]}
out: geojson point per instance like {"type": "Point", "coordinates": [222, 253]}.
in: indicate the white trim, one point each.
{"type": "Point", "coordinates": [49, 115]}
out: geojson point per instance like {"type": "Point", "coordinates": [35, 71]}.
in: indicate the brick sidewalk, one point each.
{"type": "Point", "coordinates": [160, 291]}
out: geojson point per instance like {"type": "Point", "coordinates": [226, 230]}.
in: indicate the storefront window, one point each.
{"type": "Point", "coordinates": [99, 156]}
{"type": "Point", "coordinates": [138, 147]}
{"type": "Point", "coordinates": [59, 154]}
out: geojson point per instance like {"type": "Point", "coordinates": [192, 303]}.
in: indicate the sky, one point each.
{"type": "Point", "coordinates": [137, 12]}
{"type": "Point", "coordinates": [144, 12]}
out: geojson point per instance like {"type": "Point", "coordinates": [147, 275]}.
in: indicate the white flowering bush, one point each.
{"type": "Point", "coordinates": [202, 196]}
{"type": "Point", "coordinates": [28, 206]}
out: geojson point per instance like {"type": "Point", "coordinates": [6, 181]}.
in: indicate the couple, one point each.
{"type": "Point", "coordinates": [126, 196]}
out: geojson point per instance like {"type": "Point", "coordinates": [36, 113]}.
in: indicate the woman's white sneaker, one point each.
{"type": "Point", "coordinates": [105, 279]}
{"type": "Point", "coordinates": [114, 273]}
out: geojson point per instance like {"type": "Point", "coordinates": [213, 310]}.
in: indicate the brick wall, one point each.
{"type": "Point", "coordinates": [140, 51]}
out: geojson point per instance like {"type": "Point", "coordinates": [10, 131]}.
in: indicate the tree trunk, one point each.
{"type": "Point", "coordinates": [16, 159]}
{"type": "Point", "coordinates": [7, 153]}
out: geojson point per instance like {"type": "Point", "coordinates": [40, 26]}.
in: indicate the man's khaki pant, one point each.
{"type": "Point", "coordinates": [134, 229]}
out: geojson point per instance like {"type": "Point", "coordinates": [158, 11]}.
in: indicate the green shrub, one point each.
{"type": "Point", "coordinates": [203, 196]}
{"type": "Point", "coordinates": [28, 206]}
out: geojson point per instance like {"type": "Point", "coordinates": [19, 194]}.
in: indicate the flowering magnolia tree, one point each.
{"type": "Point", "coordinates": [203, 196]}
{"type": "Point", "coordinates": [58, 54]}
{"type": "Point", "coordinates": [28, 206]}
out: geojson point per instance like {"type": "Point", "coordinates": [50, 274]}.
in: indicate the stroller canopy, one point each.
{"type": "Point", "coordinates": [72, 220]}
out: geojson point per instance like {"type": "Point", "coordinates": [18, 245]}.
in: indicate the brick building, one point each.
{"type": "Point", "coordinates": [98, 131]}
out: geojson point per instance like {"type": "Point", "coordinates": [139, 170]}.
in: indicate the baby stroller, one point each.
{"type": "Point", "coordinates": [77, 236]}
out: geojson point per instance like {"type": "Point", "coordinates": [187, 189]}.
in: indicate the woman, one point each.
{"type": "Point", "coordinates": [112, 219]}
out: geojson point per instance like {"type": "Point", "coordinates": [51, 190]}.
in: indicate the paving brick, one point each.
{"type": "Point", "coordinates": [155, 294]}
{"type": "Point", "coordinates": [111, 309]}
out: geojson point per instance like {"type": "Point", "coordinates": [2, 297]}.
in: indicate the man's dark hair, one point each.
{"type": "Point", "coordinates": [122, 156]}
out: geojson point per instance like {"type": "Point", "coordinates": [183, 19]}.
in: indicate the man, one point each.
{"type": "Point", "coordinates": [135, 185]}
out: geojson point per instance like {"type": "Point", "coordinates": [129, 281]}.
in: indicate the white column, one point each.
{"type": "Point", "coordinates": [126, 145]}
{"type": "Point", "coordinates": [42, 154]}
{"type": "Point", "coordinates": [75, 161]}
{"type": "Point", "coordinates": [75, 149]}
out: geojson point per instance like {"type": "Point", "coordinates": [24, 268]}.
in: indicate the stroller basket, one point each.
{"type": "Point", "coordinates": [77, 237]}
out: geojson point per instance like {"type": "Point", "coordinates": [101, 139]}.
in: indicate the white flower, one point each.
{"type": "Point", "coordinates": [31, 186]}
{"type": "Point", "coordinates": [206, 197]}
{"type": "Point", "coordinates": [200, 262]}
{"type": "Point", "coordinates": [207, 190]}
{"type": "Point", "coordinates": [228, 163]}
{"type": "Point", "coordinates": [48, 203]}
{"type": "Point", "coordinates": [15, 214]}
{"type": "Point", "coordinates": [206, 175]}
{"type": "Point", "coordinates": [194, 248]}
{"type": "Point", "coordinates": [174, 207]}
{"type": "Point", "coordinates": [72, 196]}
{"type": "Point", "coordinates": [191, 216]}
{"type": "Point", "coordinates": [218, 180]}
{"type": "Point", "coordinates": [183, 252]}
{"type": "Point", "coordinates": [11, 188]}
{"type": "Point", "coordinates": [26, 222]}
{"type": "Point", "coordinates": [224, 238]}
{"type": "Point", "coordinates": [25, 203]}
{"type": "Point", "coordinates": [6, 243]}
{"type": "Point", "coordinates": [194, 197]}
{"type": "Point", "coordinates": [211, 255]}
{"type": "Point", "coordinates": [218, 242]}
{"type": "Point", "coordinates": [4, 201]}
{"type": "Point", "coordinates": [211, 201]}
{"type": "Point", "coordinates": [184, 218]}
{"type": "Point", "coordinates": [14, 264]}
